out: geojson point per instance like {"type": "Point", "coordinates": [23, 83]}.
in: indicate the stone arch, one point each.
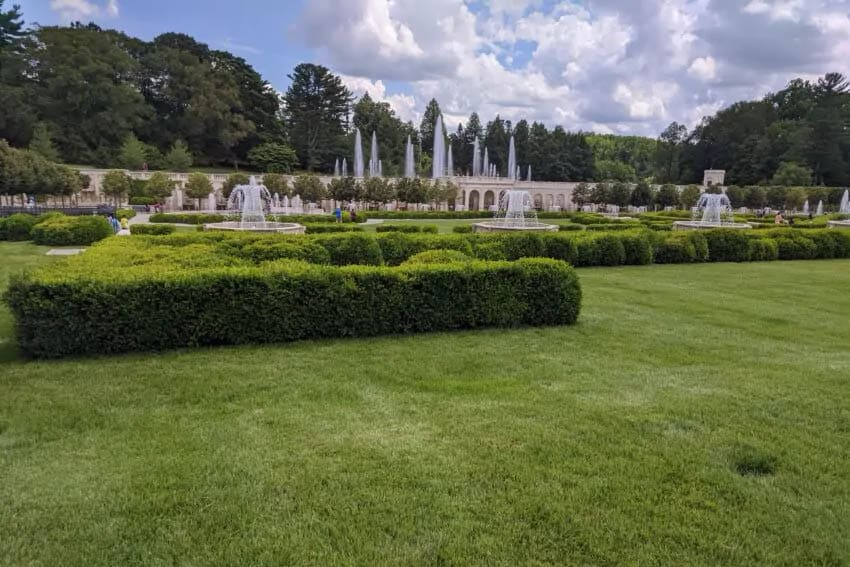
{"type": "Point", "coordinates": [538, 201]}
{"type": "Point", "coordinates": [550, 201]}
{"type": "Point", "coordinates": [473, 200]}
{"type": "Point", "coordinates": [489, 200]}
{"type": "Point", "coordinates": [559, 202]}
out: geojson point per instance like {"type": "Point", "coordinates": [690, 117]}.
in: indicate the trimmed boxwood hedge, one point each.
{"type": "Point", "coordinates": [431, 228]}
{"type": "Point", "coordinates": [441, 256]}
{"type": "Point", "coordinates": [325, 227]}
{"type": "Point", "coordinates": [17, 227]}
{"type": "Point", "coordinates": [71, 231]}
{"type": "Point", "coordinates": [61, 312]}
{"type": "Point", "coordinates": [155, 229]}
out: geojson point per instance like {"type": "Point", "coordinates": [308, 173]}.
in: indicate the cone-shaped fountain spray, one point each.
{"type": "Point", "coordinates": [409, 170]}
{"type": "Point", "coordinates": [511, 159]}
{"type": "Point", "coordinates": [374, 160]}
{"type": "Point", "coordinates": [358, 154]}
{"type": "Point", "coordinates": [438, 167]}
{"type": "Point", "coordinates": [476, 164]}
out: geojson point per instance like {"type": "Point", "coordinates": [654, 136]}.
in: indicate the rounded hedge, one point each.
{"type": "Point", "coordinates": [71, 231]}
{"type": "Point", "coordinates": [439, 256]}
{"type": "Point", "coordinates": [17, 227]}
{"type": "Point", "coordinates": [154, 229]}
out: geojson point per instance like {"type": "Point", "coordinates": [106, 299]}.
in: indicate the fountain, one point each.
{"type": "Point", "coordinates": [716, 213]}
{"type": "Point", "coordinates": [515, 213]}
{"type": "Point", "coordinates": [374, 161]}
{"type": "Point", "coordinates": [409, 171]}
{"type": "Point", "coordinates": [485, 164]}
{"type": "Point", "coordinates": [358, 154]}
{"type": "Point", "coordinates": [843, 208]}
{"type": "Point", "coordinates": [528, 178]}
{"type": "Point", "coordinates": [344, 167]}
{"type": "Point", "coordinates": [476, 158]}
{"type": "Point", "coordinates": [438, 166]}
{"type": "Point", "coordinates": [251, 201]}
{"type": "Point", "coordinates": [512, 158]}
{"type": "Point", "coordinates": [806, 207]}
{"type": "Point", "coordinates": [450, 166]}
{"type": "Point", "coordinates": [336, 167]}
{"type": "Point", "coordinates": [819, 210]}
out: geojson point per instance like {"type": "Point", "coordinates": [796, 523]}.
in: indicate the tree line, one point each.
{"type": "Point", "coordinates": [86, 95]}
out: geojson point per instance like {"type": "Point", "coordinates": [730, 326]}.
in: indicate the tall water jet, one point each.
{"type": "Point", "coordinates": [344, 167]}
{"type": "Point", "coordinates": [819, 210]}
{"type": "Point", "coordinates": [409, 170]}
{"type": "Point", "coordinates": [251, 201]}
{"type": "Point", "coordinates": [438, 166]}
{"type": "Point", "coordinates": [806, 207]}
{"type": "Point", "coordinates": [476, 165]}
{"type": "Point", "coordinates": [716, 209]}
{"type": "Point", "coordinates": [528, 177]}
{"type": "Point", "coordinates": [512, 159]}
{"type": "Point", "coordinates": [515, 212]}
{"type": "Point", "coordinates": [450, 162]}
{"type": "Point", "coordinates": [485, 164]}
{"type": "Point", "coordinates": [336, 167]}
{"type": "Point", "coordinates": [517, 174]}
{"type": "Point", "coordinates": [358, 154]}
{"type": "Point", "coordinates": [844, 207]}
{"type": "Point", "coordinates": [374, 161]}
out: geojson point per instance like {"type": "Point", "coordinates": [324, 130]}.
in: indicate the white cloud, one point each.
{"type": "Point", "coordinates": [703, 68]}
{"type": "Point", "coordinates": [72, 10]}
{"type": "Point", "coordinates": [607, 65]}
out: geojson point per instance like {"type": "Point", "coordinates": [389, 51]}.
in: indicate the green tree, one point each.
{"type": "Point", "coordinates": [582, 194]}
{"type": "Point", "coordinates": [116, 184]}
{"type": "Point", "coordinates": [755, 197]}
{"type": "Point", "coordinates": [641, 195]}
{"type": "Point", "coordinates": [345, 188]}
{"type": "Point", "coordinates": [667, 196]}
{"type": "Point", "coordinates": [42, 142]}
{"type": "Point", "coordinates": [790, 174]}
{"type": "Point", "coordinates": [620, 194]}
{"type": "Point", "coordinates": [600, 194]}
{"type": "Point", "coordinates": [178, 158]}
{"type": "Point", "coordinates": [426, 127]}
{"type": "Point", "coordinates": [689, 196]}
{"type": "Point", "coordinates": [273, 157]}
{"type": "Point", "coordinates": [794, 198]}
{"type": "Point", "coordinates": [160, 186]}
{"type": "Point", "coordinates": [11, 25]}
{"type": "Point", "coordinates": [378, 190]}
{"type": "Point", "coordinates": [277, 183]}
{"type": "Point", "coordinates": [737, 196]}
{"type": "Point", "coordinates": [309, 188]}
{"type": "Point", "coordinates": [612, 170]}
{"type": "Point", "coordinates": [132, 155]}
{"type": "Point", "coordinates": [316, 108]}
{"type": "Point", "coordinates": [379, 117]}
{"type": "Point", "coordinates": [198, 187]}
{"type": "Point", "coordinates": [232, 181]}
{"type": "Point", "coordinates": [668, 153]}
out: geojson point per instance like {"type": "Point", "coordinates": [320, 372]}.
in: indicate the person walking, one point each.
{"type": "Point", "coordinates": [338, 214]}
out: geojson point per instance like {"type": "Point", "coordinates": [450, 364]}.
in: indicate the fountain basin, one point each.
{"type": "Point", "coordinates": [496, 226]}
{"type": "Point", "coordinates": [284, 227]}
{"type": "Point", "coordinates": [700, 225]}
{"type": "Point", "coordinates": [838, 224]}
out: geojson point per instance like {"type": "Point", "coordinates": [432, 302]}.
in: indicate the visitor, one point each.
{"type": "Point", "coordinates": [791, 220]}
{"type": "Point", "coordinates": [338, 214]}
{"type": "Point", "coordinates": [353, 214]}
{"type": "Point", "coordinates": [113, 222]}
{"type": "Point", "coordinates": [125, 224]}
{"type": "Point", "coordinates": [778, 218]}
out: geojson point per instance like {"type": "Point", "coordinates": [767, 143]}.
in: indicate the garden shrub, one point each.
{"type": "Point", "coordinates": [763, 250]}
{"type": "Point", "coordinates": [676, 249]}
{"type": "Point", "coordinates": [727, 245]}
{"type": "Point", "coordinates": [518, 245]}
{"type": "Point", "coordinates": [124, 213]}
{"type": "Point", "coordinates": [268, 249]}
{"type": "Point", "coordinates": [396, 247]}
{"type": "Point", "coordinates": [637, 247]}
{"type": "Point", "coordinates": [570, 227]}
{"type": "Point", "coordinates": [71, 231]}
{"type": "Point", "coordinates": [599, 250]}
{"type": "Point", "coordinates": [794, 247]}
{"type": "Point", "coordinates": [153, 229]}
{"type": "Point", "coordinates": [352, 248]}
{"type": "Point", "coordinates": [489, 250]}
{"type": "Point", "coordinates": [78, 309]}
{"type": "Point", "coordinates": [462, 229]}
{"type": "Point", "coordinates": [430, 228]}
{"type": "Point", "coordinates": [189, 218]}
{"type": "Point", "coordinates": [17, 227]}
{"type": "Point", "coordinates": [612, 227]}
{"type": "Point", "coordinates": [561, 247]}
{"type": "Point", "coordinates": [324, 227]}
{"type": "Point", "coordinates": [439, 256]}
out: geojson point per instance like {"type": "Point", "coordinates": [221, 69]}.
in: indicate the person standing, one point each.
{"type": "Point", "coordinates": [338, 214]}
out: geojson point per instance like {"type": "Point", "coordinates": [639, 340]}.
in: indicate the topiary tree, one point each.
{"type": "Point", "coordinates": [160, 186]}
{"type": "Point", "coordinates": [116, 184]}
{"type": "Point", "coordinates": [309, 188]}
{"type": "Point", "coordinates": [273, 158]}
{"type": "Point", "coordinates": [667, 196]}
{"type": "Point", "coordinates": [178, 158]}
{"type": "Point", "coordinates": [133, 154]}
{"type": "Point", "coordinates": [581, 194]}
{"type": "Point", "coordinates": [232, 181]}
{"type": "Point", "coordinates": [277, 183]}
{"type": "Point", "coordinates": [619, 194]}
{"type": "Point", "coordinates": [347, 188]}
{"type": "Point", "coordinates": [198, 187]}
{"type": "Point", "coordinates": [641, 195]}
{"type": "Point", "coordinates": [378, 190]}
{"type": "Point", "coordinates": [689, 196]}
{"type": "Point", "coordinates": [42, 143]}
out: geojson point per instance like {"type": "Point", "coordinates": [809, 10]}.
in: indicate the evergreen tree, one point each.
{"type": "Point", "coordinates": [160, 186]}
{"type": "Point", "coordinates": [11, 25]}
{"type": "Point", "coordinates": [178, 158]}
{"type": "Point", "coordinates": [426, 127]}
{"type": "Point", "coordinates": [132, 154]}
{"type": "Point", "coordinates": [116, 184]}
{"type": "Point", "coordinates": [198, 187]}
{"type": "Point", "coordinates": [42, 142]}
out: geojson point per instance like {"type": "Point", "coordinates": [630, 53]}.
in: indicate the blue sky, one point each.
{"type": "Point", "coordinates": [622, 66]}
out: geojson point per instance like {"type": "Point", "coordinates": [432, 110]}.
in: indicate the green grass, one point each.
{"type": "Point", "coordinates": [697, 414]}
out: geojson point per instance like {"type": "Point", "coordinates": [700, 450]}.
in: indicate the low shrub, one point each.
{"type": "Point", "coordinates": [763, 250]}
{"type": "Point", "coordinates": [599, 249]}
{"type": "Point", "coordinates": [396, 247]}
{"type": "Point", "coordinates": [143, 201]}
{"type": "Point", "coordinates": [17, 227]}
{"type": "Point", "coordinates": [352, 248]}
{"type": "Point", "coordinates": [325, 227]}
{"type": "Point", "coordinates": [153, 229]}
{"type": "Point", "coordinates": [637, 247]}
{"type": "Point", "coordinates": [439, 256]}
{"type": "Point", "coordinates": [561, 247]}
{"type": "Point", "coordinates": [796, 248]}
{"type": "Point", "coordinates": [269, 249]}
{"type": "Point", "coordinates": [613, 227]}
{"type": "Point", "coordinates": [71, 231]}
{"type": "Point", "coordinates": [72, 311]}
{"type": "Point", "coordinates": [430, 228]}
{"type": "Point", "coordinates": [570, 227]}
{"type": "Point", "coordinates": [676, 249]}
{"type": "Point", "coordinates": [189, 218]}
{"type": "Point", "coordinates": [462, 229]}
{"type": "Point", "coordinates": [727, 245]}
{"type": "Point", "coordinates": [124, 213]}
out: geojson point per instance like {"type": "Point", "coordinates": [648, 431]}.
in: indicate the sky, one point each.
{"type": "Point", "coordinates": [610, 66]}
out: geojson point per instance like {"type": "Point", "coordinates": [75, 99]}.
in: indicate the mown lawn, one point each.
{"type": "Point", "coordinates": [697, 415]}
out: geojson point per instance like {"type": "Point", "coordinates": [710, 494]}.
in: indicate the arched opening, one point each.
{"type": "Point", "coordinates": [560, 202]}
{"type": "Point", "coordinates": [473, 200]}
{"type": "Point", "coordinates": [550, 202]}
{"type": "Point", "coordinates": [488, 200]}
{"type": "Point", "coordinates": [538, 201]}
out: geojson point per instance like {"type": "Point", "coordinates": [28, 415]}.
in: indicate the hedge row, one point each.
{"type": "Point", "coordinates": [323, 227]}
{"type": "Point", "coordinates": [155, 229]}
{"type": "Point", "coordinates": [124, 213]}
{"type": "Point", "coordinates": [71, 231]}
{"type": "Point", "coordinates": [431, 228]}
{"type": "Point", "coordinates": [60, 312]}
{"type": "Point", "coordinates": [205, 218]}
